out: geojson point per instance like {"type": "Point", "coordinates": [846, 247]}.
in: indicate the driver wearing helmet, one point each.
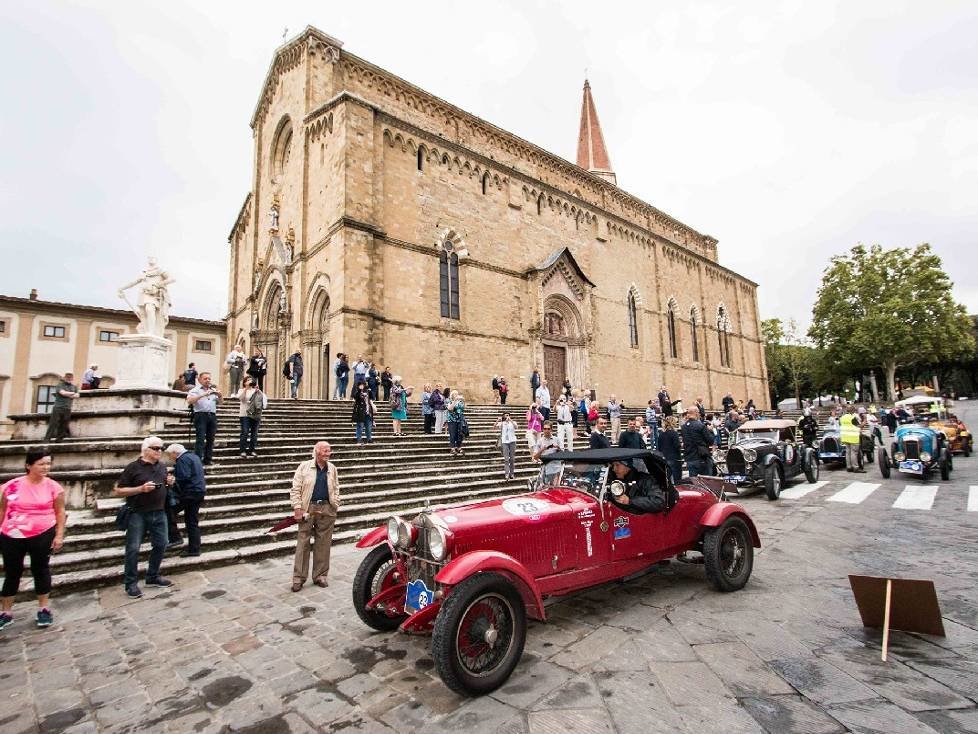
{"type": "Point", "coordinates": [642, 493]}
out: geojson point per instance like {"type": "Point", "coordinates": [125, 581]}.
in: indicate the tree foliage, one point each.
{"type": "Point", "coordinates": [887, 309]}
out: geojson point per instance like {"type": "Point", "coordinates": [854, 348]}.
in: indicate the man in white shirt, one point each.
{"type": "Point", "coordinates": [547, 444]}
{"type": "Point", "coordinates": [565, 429]}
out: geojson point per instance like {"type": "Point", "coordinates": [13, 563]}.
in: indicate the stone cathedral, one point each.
{"type": "Point", "coordinates": [383, 221]}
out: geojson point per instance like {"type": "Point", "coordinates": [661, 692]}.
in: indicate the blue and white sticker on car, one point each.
{"type": "Point", "coordinates": [418, 596]}
{"type": "Point", "coordinates": [735, 477]}
{"type": "Point", "coordinates": [912, 465]}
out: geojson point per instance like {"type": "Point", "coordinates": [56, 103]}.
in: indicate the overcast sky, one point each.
{"type": "Point", "coordinates": [787, 130]}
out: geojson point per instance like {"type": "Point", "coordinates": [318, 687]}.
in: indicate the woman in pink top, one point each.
{"type": "Point", "coordinates": [33, 512]}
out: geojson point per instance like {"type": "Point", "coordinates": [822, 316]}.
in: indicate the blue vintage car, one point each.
{"type": "Point", "coordinates": [916, 450]}
{"type": "Point", "coordinates": [830, 448]}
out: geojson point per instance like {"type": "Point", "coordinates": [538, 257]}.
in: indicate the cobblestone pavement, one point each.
{"type": "Point", "coordinates": [233, 649]}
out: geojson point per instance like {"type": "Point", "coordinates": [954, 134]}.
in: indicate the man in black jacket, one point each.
{"type": "Point", "coordinates": [697, 444]}
{"type": "Point", "coordinates": [631, 438]}
{"type": "Point", "coordinates": [642, 493]}
{"type": "Point", "coordinates": [809, 428]}
{"type": "Point", "coordinates": [597, 439]}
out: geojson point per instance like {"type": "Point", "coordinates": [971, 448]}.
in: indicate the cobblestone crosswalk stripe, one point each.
{"type": "Point", "coordinates": [854, 493]}
{"type": "Point", "coordinates": [916, 497]}
{"type": "Point", "coordinates": [800, 490]}
{"type": "Point", "coordinates": [973, 499]}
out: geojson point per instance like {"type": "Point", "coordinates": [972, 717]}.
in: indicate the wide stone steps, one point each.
{"type": "Point", "coordinates": [394, 474]}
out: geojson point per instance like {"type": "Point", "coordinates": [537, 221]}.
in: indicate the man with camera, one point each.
{"type": "Point", "coordinates": [204, 399]}
{"type": "Point", "coordinates": [143, 484]}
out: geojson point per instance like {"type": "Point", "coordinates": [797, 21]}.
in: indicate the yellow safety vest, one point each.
{"type": "Point", "coordinates": [849, 426]}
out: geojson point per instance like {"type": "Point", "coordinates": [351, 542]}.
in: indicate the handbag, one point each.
{"type": "Point", "coordinates": [122, 517]}
{"type": "Point", "coordinates": [464, 427]}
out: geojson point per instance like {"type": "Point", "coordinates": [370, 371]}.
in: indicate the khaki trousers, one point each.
{"type": "Point", "coordinates": [615, 429]}
{"type": "Point", "coordinates": [317, 526]}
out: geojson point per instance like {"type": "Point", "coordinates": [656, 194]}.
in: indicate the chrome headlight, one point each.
{"type": "Point", "coordinates": [437, 543]}
{"type": "Point", "coordinates": [392, 524]}
{"type": "Point", "coordinates": [400, 533]}
{"type": "Point", "coordinates": [925, 456]}
{"type": "Point", "coordinates": [750, 455]}
{"type": "Point", "coordinates": [899, 456]}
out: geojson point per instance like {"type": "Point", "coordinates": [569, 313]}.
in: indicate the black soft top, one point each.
{"type": "Point", "coordinates": [602, 456]}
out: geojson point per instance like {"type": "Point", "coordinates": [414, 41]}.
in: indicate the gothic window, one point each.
{"type": "Point", "coordinates": [281, 149]}
{"type": "Point", "coordinates": [448, 271]}
{"type": "Point", "coordinates": [632, 320]}
{"type": "Point", "coordinates": [485, 183]}
{"type": "Point", "coordinates": [693, 334]}
{"type": "Point", "coordinates": [554, 324]}
{"type": "Point", "coordinates": [540, 204]}
{"type": "Point", "coordinates": [421, 155]}
{"type": "Point", "coordinates": [671, 327]}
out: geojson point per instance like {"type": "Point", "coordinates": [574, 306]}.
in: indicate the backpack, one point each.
{"type": "Point", "coordinates": [395, 401]}
{"type": "Point", "coordinates": [286, 368]}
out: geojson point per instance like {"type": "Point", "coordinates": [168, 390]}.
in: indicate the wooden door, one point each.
{"type": "Point", "coordinates": [554, 369]}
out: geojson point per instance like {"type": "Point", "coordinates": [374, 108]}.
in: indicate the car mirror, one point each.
{"type": "Point", "coordinates": [617, 488]}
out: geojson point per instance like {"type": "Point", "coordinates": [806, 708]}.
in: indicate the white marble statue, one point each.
{"type": "Point", "coordinates": [153, 305]}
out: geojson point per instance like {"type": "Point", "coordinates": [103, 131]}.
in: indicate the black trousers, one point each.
{"type": "Point", "coordinates": [205, 426]}
{"type": "Point", "coordinates": [58, 424]}
{"type": "Point", "coordinates": [14, 550]}
{"type": "Point", "coordinates": [429, 423]}
{"type": "Point", "coordinates": [191, 510]}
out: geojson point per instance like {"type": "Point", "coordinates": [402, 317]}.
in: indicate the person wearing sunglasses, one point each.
{"type": "Point", "coordinates": [143, 485]}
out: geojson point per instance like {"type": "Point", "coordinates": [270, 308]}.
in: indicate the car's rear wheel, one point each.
{"type": "Point", "coordinates": [377, 573]}
{"type": "Point", "coordinates": [945, 463]}
{"type": "Point", "coordinates": [884, 462]}
{"type": "Point", "coordinates": [479, 634]}
{"type": "Point", "coordinates": [728, 554]}
{"type": "Point", "coordinates": [967, 448]}
{"type": "Point", "coordinates": [811, 466]}
{"type": "Point", "coordinates": [772, 481]}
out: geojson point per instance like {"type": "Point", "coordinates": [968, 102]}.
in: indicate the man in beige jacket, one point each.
{"type": "Point", "coordinates": [315, 499]}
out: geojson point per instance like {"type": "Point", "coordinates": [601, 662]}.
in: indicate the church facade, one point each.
{"type": "Point", "coordinates": [382, 221]}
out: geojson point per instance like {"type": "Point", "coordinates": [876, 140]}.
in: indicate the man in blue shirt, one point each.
{"type": "Point", "coordinates": [204, 399]}
{"type": "Point", "coordinates": [187, 483]}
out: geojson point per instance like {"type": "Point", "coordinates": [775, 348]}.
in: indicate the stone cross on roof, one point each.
{"type": "Point", "coordinates": [591, 151]}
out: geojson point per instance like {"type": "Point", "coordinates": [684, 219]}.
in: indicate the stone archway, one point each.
{"type": "Point", "coordinates": [563, 343]}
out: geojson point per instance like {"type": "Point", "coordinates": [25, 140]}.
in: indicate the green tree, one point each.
{"type": "Point", "coordinates": [772, 332]}
{"type": "Point", "coordinates": [888, 309]}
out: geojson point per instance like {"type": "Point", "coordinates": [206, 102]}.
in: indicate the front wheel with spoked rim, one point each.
{"type": "Point", "coordinates": [479, 634]}
{"type": "Point", "coordinates": [377, 573]}
{"type": "Point", "coordinates": [728, 554]}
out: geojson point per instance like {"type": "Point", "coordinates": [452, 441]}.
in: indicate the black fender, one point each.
{"type": "Point", "coordinates": [769, 458]}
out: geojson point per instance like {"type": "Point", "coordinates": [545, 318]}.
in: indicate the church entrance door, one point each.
{"type": "Point", "coordinates": [554, 368]}
{"type": "Point", "coordinates": [327, 369]}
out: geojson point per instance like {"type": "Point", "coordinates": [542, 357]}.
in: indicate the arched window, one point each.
{"type": "Point", "coordinates": [421, 156]}
{"type": "Point", "coordinates": [485, 183]}
{"type": "Point", "coordinates": [448, 271]}
{"type": "Point", "coordinates": [281, 149]}
{"type": "Point", "coordinates": [671, 327]}
{"type": "Point", "coordinates": [693, 334]}
{"type": "Point", "coordinates": [632, 320]}
{"type": "Point", "coordinates": [540, 204]}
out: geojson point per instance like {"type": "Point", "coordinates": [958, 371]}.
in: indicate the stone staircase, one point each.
{"type": "Point", "coordinates": [245, 497]}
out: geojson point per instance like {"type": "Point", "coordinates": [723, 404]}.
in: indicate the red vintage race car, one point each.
{"type": "Point", "coordinates": [471, 575]}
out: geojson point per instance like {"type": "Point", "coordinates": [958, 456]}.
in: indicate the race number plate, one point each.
{"type": "Point", "coordinates": [735, 477]}
{"type": "Point", "coordinates": [418, 596]}
{"type": "Point", "coordinates": [912, 466]}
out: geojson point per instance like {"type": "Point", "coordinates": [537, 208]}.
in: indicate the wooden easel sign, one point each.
{"type": "Point", "coordinates": [909, 605]}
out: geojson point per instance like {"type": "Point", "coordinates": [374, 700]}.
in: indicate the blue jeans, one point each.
{"type": "Point", "coordinates": [153, 522]}
{"type": "Point", "coordinates": [654, 436]}
{"type": "Point", "coordinates": [455, 436]}
{"type": "Point", "coordinates": [365, 427]}
{"type": "Point", "coordinates": [341, 383]}
{"type": "Point", "coordinates": [700, 466]}
{"type": "Point", "coordinates": [676, 470]}
{"type": "Point", "coordinates": [248, 438]}
{"type": "Point", "coordinates": [296, 381]}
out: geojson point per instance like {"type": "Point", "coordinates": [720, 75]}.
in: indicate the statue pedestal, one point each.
{"type": "Point", "coordinates": [144, 362]}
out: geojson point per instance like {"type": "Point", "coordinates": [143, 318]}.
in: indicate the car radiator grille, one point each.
{"type": "Point", "coordinates": [911, 449]}
{"type": "Point", "coordinates": [830, 445]}
{"type": "Point", "coordinates": [735, 462]}
{"type": "Point", "coordinates": [421, 565]}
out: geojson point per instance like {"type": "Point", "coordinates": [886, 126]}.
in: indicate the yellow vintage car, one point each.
{"type": "Point", "coordinates": [959, 438]}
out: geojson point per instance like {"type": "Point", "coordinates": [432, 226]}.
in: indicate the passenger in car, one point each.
{"type": "Point", "coordinates": [642, 493]}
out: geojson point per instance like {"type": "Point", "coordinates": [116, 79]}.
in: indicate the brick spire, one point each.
{"type": "Point", "coordinates": [591, 151]}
